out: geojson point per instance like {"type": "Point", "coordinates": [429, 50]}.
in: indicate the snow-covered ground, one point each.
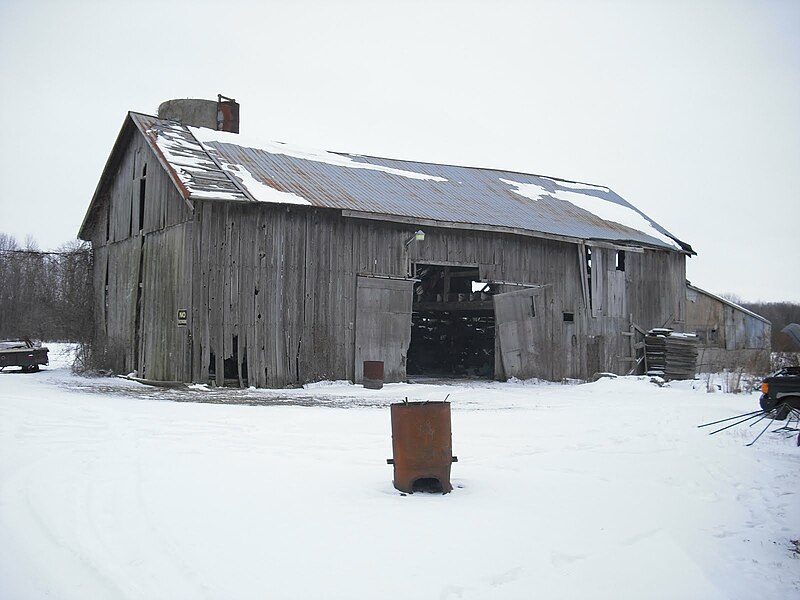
{"type": "Point", "coordinates": [110, 489]}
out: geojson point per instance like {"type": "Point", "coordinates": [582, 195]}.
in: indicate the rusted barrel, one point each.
{"type": "Point", "coordinates": [422, 446]}
{"type": "Point", "coordinates": [373, 374]}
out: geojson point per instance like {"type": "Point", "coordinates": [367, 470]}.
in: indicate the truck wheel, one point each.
{"type": "Point", "coordinates": [31, 368]}
{"type": "Point", "coordinates": [766, 402]}
{"type": "Point", "coordinates": [782, 412]}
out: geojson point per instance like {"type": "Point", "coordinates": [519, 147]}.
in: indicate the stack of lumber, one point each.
{"type": "Point", "coordinates": [655, 351]}
{"type": "Point", "coordinates": [671, 355]}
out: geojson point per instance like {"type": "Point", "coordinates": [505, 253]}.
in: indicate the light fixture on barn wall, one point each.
{"type": "Point", "coordinates": [418, 236]}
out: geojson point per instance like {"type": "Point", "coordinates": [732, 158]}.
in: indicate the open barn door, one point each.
{"type": "Point", "coordinates": [383, 325]}
{"type": "Point", "coordinates": [522, 324]}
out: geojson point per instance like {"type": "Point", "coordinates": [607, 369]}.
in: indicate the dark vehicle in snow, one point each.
{"type": "Point", "coordinates": [780, 400]}
{"type": "Point", "coordinates": [781, 392]}
{"type": "Point", "coordinates": [22, 353]}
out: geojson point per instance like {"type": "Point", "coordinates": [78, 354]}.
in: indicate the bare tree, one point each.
{"type": "Point", "coordinates": [43, 295]}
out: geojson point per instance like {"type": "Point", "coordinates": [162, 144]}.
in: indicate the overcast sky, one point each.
{"type": "Point", "coordinates": [688, 110]}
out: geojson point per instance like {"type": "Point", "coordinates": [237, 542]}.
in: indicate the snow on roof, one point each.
{"type": "Point", "coordinates": [340, 160]}
{"type": "Point", "coordinates": [259, 190]}
{"type": "Point", "coordinates": [195, 169]}
{"type": "Point", "coordinates": [583, 197]}
{"type": "Point", "coordinates": [225, 166]}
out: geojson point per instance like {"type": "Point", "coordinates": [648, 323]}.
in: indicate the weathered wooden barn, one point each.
{"type": "Point", "coordinates": [730, 336]}
{"type": "Point", "coordinates": [249, 263]}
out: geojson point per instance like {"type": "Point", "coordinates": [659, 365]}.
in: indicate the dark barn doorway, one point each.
{"type": "Point", "coordinates": [452, 323]}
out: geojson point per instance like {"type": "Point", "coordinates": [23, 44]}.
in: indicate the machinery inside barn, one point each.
{"type": "Point", "coordinates": [452, 323]}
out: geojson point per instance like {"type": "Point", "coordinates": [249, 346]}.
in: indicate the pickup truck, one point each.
{"type": "Point", "coordinates": [781, 391]}
{"type": "Point", "coordinates": [22, 353]}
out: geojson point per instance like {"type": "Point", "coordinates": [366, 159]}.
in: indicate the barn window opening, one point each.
{"type": "Point", "coordinates": [231, 369]}
{"type": "Point", "coordinates": [142, 186]}
{"type": "Point", "coordinates": [137, 325]}
{"type": "Point", "coordinates": [130, 220]}
{"type": "Point", "coordinates": [707, 336]}
{"type": "Point", "coordinates": [569, 317]}
{"type": "Point", "coordinates": [105, 299]}
{"type": "Point", "coordinates": [452, 323]}
{"type": "Point", "coordinates": [620, 260]}
{"type": "Point", "coordinates": [244, 368]}
{"type": "Point", "coordinates": [589, 274]}
{"type": "Point", "coordinates": [233, 373]}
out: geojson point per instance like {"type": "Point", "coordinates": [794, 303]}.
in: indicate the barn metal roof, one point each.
{"type": "Point", "coordinates": [228, 167]}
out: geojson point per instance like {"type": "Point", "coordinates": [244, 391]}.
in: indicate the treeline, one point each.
{"type": "Point", "coordinates": [780, 314]}
{"type": "Point", "coordinates": [45, 295]}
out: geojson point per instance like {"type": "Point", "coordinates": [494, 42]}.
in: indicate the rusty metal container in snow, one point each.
{"type": "Point", "coordinates": [373, 374]}
{"type": "Point", "coordinates": [422, 446]}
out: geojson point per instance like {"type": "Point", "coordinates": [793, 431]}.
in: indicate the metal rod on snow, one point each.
{"type": "Point", "coordinates": [795, 413]}
{"type": "Point", "coordinates": [730, 418]}
{"type": "Point", "coordinates": [766, 414]}
{"type": "Point", "coordinates": [762, 432]}
{"type": "Point", "coordinates": [737, 422]}
{"type": "Point", "coordinates": [794, 416]}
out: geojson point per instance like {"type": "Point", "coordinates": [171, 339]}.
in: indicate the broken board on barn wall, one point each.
{"type": "Point", "coordinates": [523, 330]}
{"type": "Point", "coordinates": [383, 325]}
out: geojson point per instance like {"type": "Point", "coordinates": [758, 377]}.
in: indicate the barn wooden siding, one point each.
{"type": "Point", "coordinates": [648, 293]}
{"type": "Point", "coordinates": [730, 337]}
{"type": "Point", "coordinates": [276, 288]}
{"type": "Point", "coordinates": [153, 250]}
{"type": "Point", "coordinates": [280, 284]}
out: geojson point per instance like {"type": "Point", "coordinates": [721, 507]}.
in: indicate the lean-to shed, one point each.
{"type": "Point", "coordinates": [730, 336]}
{"type": "Point", "coordinates": [220, 258]}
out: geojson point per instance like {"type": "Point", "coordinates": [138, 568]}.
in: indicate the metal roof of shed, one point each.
{"type": "Point", "coordinates": [228, 167]}
{"type": "Point", "coordinates": [727, 302]}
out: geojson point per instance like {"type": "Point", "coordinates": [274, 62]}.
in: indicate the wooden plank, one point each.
{"type": "Point", "coordinates": [203, 263]}
{"type": "Point", "coordinates": [453, 225]}
{"type": "Point", "coordinates": [465, 306]}
{"type": "Point", "coordinates": [217, 251]}
{"type": "Point", "coordinates": [523, 327]}
{"type": "Point", "coordinates": [383, 325]}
